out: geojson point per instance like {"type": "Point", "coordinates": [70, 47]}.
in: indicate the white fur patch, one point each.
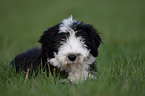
{"type": "Point", "coordinates": [66, 25]}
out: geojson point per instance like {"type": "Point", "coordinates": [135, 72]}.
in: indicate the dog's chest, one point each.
{"type": "Point", "coordinates": [77, 72]}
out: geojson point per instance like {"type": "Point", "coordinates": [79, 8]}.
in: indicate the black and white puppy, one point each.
{"type": "Point", "coordinates": [70, 47]}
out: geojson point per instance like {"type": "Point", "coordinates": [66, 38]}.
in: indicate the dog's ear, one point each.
{"type": "Point", "coordinates": [93, 38]}
{"type": "Point", "coordinates": [48, 34]}
{"type": "Point", "coordinates": [46, 41]}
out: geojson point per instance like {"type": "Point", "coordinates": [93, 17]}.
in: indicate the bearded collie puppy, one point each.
{"type": "Point", "coordinates": [70, 48]}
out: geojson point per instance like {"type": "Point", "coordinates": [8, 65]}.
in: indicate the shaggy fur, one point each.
{"type": "Point", "coordinates": [70, 47]}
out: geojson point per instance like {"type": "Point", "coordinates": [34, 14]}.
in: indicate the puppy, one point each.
{"type": "Point", "coordinates": [70, 47]}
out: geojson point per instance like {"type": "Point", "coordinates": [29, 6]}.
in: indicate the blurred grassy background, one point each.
{"type": "Point", "coordinates": [120, 22]}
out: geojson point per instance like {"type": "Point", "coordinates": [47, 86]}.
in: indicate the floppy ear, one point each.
{"type": "Point", "coordinates": [46, 41]}
{"type": "Point", "coordinates": [93, 39]}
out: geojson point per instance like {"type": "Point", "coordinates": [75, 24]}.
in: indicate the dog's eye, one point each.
{"type": "Point", "coordinates": [80, 33]}
{"type": "Point", "coordinates": [63, 36]}
{"type": "Point", "coordinates": [67, 34]}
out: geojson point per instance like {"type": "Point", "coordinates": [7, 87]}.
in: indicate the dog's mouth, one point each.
{"type": "Point", "coordinates": [71, 66]}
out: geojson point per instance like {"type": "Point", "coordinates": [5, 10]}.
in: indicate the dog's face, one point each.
{"type": "Point", "coordinates": [70, 44]}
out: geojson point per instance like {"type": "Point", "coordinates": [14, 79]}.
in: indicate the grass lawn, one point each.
{"type": "Point", "coordinates": [121, 60]}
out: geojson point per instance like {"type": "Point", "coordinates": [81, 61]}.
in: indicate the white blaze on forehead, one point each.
{"type": "Point", "coordinates": [66, 25]}
{"type": "Point", "coordinates": [72, 44]}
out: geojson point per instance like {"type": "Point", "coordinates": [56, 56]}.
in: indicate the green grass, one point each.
{"type": "Point", "coordinates": [121, 60]}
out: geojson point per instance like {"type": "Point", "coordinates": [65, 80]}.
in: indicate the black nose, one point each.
{"type": "Point", "coordinates": [72, 57]}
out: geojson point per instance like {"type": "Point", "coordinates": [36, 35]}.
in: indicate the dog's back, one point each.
{"type": "Point", "coordinates": [28, 59]}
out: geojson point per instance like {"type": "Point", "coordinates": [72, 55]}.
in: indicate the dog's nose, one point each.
{"type": "Point", "coordinates": [72, 57]}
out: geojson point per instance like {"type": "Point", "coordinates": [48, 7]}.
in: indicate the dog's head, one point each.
{"type": "Point", "coordinates": [70, 43]}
